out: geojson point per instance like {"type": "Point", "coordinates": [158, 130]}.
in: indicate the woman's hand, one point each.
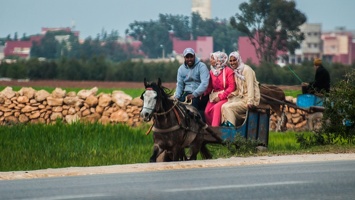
{"type": "Point", "coordinates": [217, 99]}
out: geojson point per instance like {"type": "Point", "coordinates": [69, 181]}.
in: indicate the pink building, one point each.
{"type": "Point", "coordinates": [203, 46]}
{"type": "Point", "coordinates": [21, 49]}
{"type": "Point", "coordinates": [248, 53]}
{"type": "Point", "coordinates": [338, 47]}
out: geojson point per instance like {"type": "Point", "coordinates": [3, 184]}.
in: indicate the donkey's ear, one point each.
{"type": "Point", "coordinates": [145, 83]}
{"type": "Point", "coordinates": [159, 82]}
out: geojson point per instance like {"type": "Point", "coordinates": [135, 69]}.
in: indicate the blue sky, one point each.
{"type": "Point", "coordinates": [92, 16]}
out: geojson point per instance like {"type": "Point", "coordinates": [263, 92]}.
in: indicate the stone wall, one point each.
{"type": "Point", "coordinates": [31, 106]}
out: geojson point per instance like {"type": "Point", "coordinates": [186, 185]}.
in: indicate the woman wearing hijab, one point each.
{"type": "Point", "coordinates": [246, 95]}
{"type": "Point", "coordinates": [220, 86]}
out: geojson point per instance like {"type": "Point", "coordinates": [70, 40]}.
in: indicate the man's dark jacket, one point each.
{"type": "Point", "coordinates": [321, 81]}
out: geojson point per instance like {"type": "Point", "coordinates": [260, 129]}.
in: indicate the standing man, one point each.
{"type": "Point", "coordinates": [192, 81]}
{"type": "Point", "coordinates": [321, 83]}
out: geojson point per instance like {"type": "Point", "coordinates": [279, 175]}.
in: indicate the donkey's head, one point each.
{"type": "Point", "coordinates": [150, 98]}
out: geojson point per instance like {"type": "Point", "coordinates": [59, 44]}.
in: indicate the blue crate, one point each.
{"type": "Point", "coordinates": [255, 127]}
{"type": "Point", "coordinates": [305, 101]}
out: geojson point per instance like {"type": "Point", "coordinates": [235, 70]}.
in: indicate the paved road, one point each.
{"type": "Point", "coordinates": [312, 180]}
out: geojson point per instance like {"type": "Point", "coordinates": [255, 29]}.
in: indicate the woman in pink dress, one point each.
{"type": "Point", "coordinates": [221, 84]}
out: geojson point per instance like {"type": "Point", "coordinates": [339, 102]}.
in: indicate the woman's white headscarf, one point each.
{"type": "Point", "coordinates": [221, 59]}
{"type": "Point", "coordinates": [238, 72]}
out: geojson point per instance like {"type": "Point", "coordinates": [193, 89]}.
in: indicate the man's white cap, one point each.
{"type": "Point", "coordinates": [188, 51]}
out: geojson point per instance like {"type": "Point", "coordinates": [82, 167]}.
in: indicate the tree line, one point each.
{"type": "Point", "coordinates": [101, 69]}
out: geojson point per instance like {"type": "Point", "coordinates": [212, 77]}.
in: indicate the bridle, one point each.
{"type": "Point", "coordinates": [161, 113]}
{"type": "Point", "coordinates": [155, 113]}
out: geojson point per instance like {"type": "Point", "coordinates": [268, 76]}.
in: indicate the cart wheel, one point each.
{"type": "Point", "coordinates": [314, 121]}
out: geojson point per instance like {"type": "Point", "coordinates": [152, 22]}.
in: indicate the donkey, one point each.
{"type": "Point", "coordinates": [176, 126]}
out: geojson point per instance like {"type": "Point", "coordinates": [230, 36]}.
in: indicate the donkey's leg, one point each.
{"type": "Point", "coordinates": [193, 152]}
{"type": "Point", "coordinates": [178, 153]}
{"type": "Point", "coordinates": [156, 152]}
{"type": "Point", "coordinates": [181, 154]}
{"type": "Point", "coordinates": [195, 147]}
{"type": "Point", "coordinates": [205, 153]}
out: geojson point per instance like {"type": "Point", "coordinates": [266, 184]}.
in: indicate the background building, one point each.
{"type": "Point", "coordinates": [203, 46]}
{"type": "Point", "coordinates": [311, 46]}
{"type": "Point", "coordinates": [338, 46]}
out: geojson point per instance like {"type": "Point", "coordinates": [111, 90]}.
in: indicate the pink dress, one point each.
{"type": "Point", "coordinates": [218, 83]}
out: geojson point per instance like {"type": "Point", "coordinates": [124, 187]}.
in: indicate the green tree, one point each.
{"type": "Point", "coordinates": [155, 35]}
{"type": "Point", "coordinates": [271, 25]}
{"type": "Point", "coordinates": [225, 37]}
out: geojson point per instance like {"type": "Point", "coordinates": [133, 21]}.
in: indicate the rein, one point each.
{"type": "Point", "coordinates": [164, 113]}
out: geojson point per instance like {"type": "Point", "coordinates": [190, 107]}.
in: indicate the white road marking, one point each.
{"type": "Point", "coordinates": [63, 197]}
{"type": "Point", "coordinates": [218, 187]}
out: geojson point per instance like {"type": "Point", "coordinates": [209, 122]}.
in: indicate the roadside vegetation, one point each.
{"type": "Point", "coordinates": [39, 146]}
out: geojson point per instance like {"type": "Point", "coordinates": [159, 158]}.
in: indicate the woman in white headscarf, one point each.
{"type": "Point", "coordinates": [246, 95]}
{"type": "Point", "coordinates": [220, 86]}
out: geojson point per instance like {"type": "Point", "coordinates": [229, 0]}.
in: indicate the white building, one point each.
{"type": "Point", "coordinates": [311, 46]}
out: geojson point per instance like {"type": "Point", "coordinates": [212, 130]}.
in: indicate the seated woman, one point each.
{"type": "Point", "coordinates": [246, 95]}
{"type": "Point", "coordinates": [220, 86]}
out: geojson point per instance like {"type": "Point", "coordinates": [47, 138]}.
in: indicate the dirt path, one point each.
{"type": "Point", "coordinates": [78, 84]}
{"type": "Point", "coordinates": [234, 161]}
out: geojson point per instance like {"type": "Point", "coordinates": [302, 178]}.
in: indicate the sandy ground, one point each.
{"type": "Point", "coordinates": [234, 161]}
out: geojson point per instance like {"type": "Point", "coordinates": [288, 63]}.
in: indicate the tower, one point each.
{"type": "Point", "coordinates": [203, 7]}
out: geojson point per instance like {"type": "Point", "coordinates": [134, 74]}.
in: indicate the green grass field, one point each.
{"type": "Point", "coordinates": [132, 92]}
{"type": "Point", "coordinates": [39, 146]}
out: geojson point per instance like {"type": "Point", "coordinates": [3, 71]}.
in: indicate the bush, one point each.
{"type": "Point", "coordinates": [338, 125]}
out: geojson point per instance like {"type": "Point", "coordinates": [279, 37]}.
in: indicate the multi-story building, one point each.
{"type": "Point", "coordinates": [338, 46]}
{"type": "Point", "coordinates": [311, 46]}
{"type": "Point", "coordinates": [315, 45]}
